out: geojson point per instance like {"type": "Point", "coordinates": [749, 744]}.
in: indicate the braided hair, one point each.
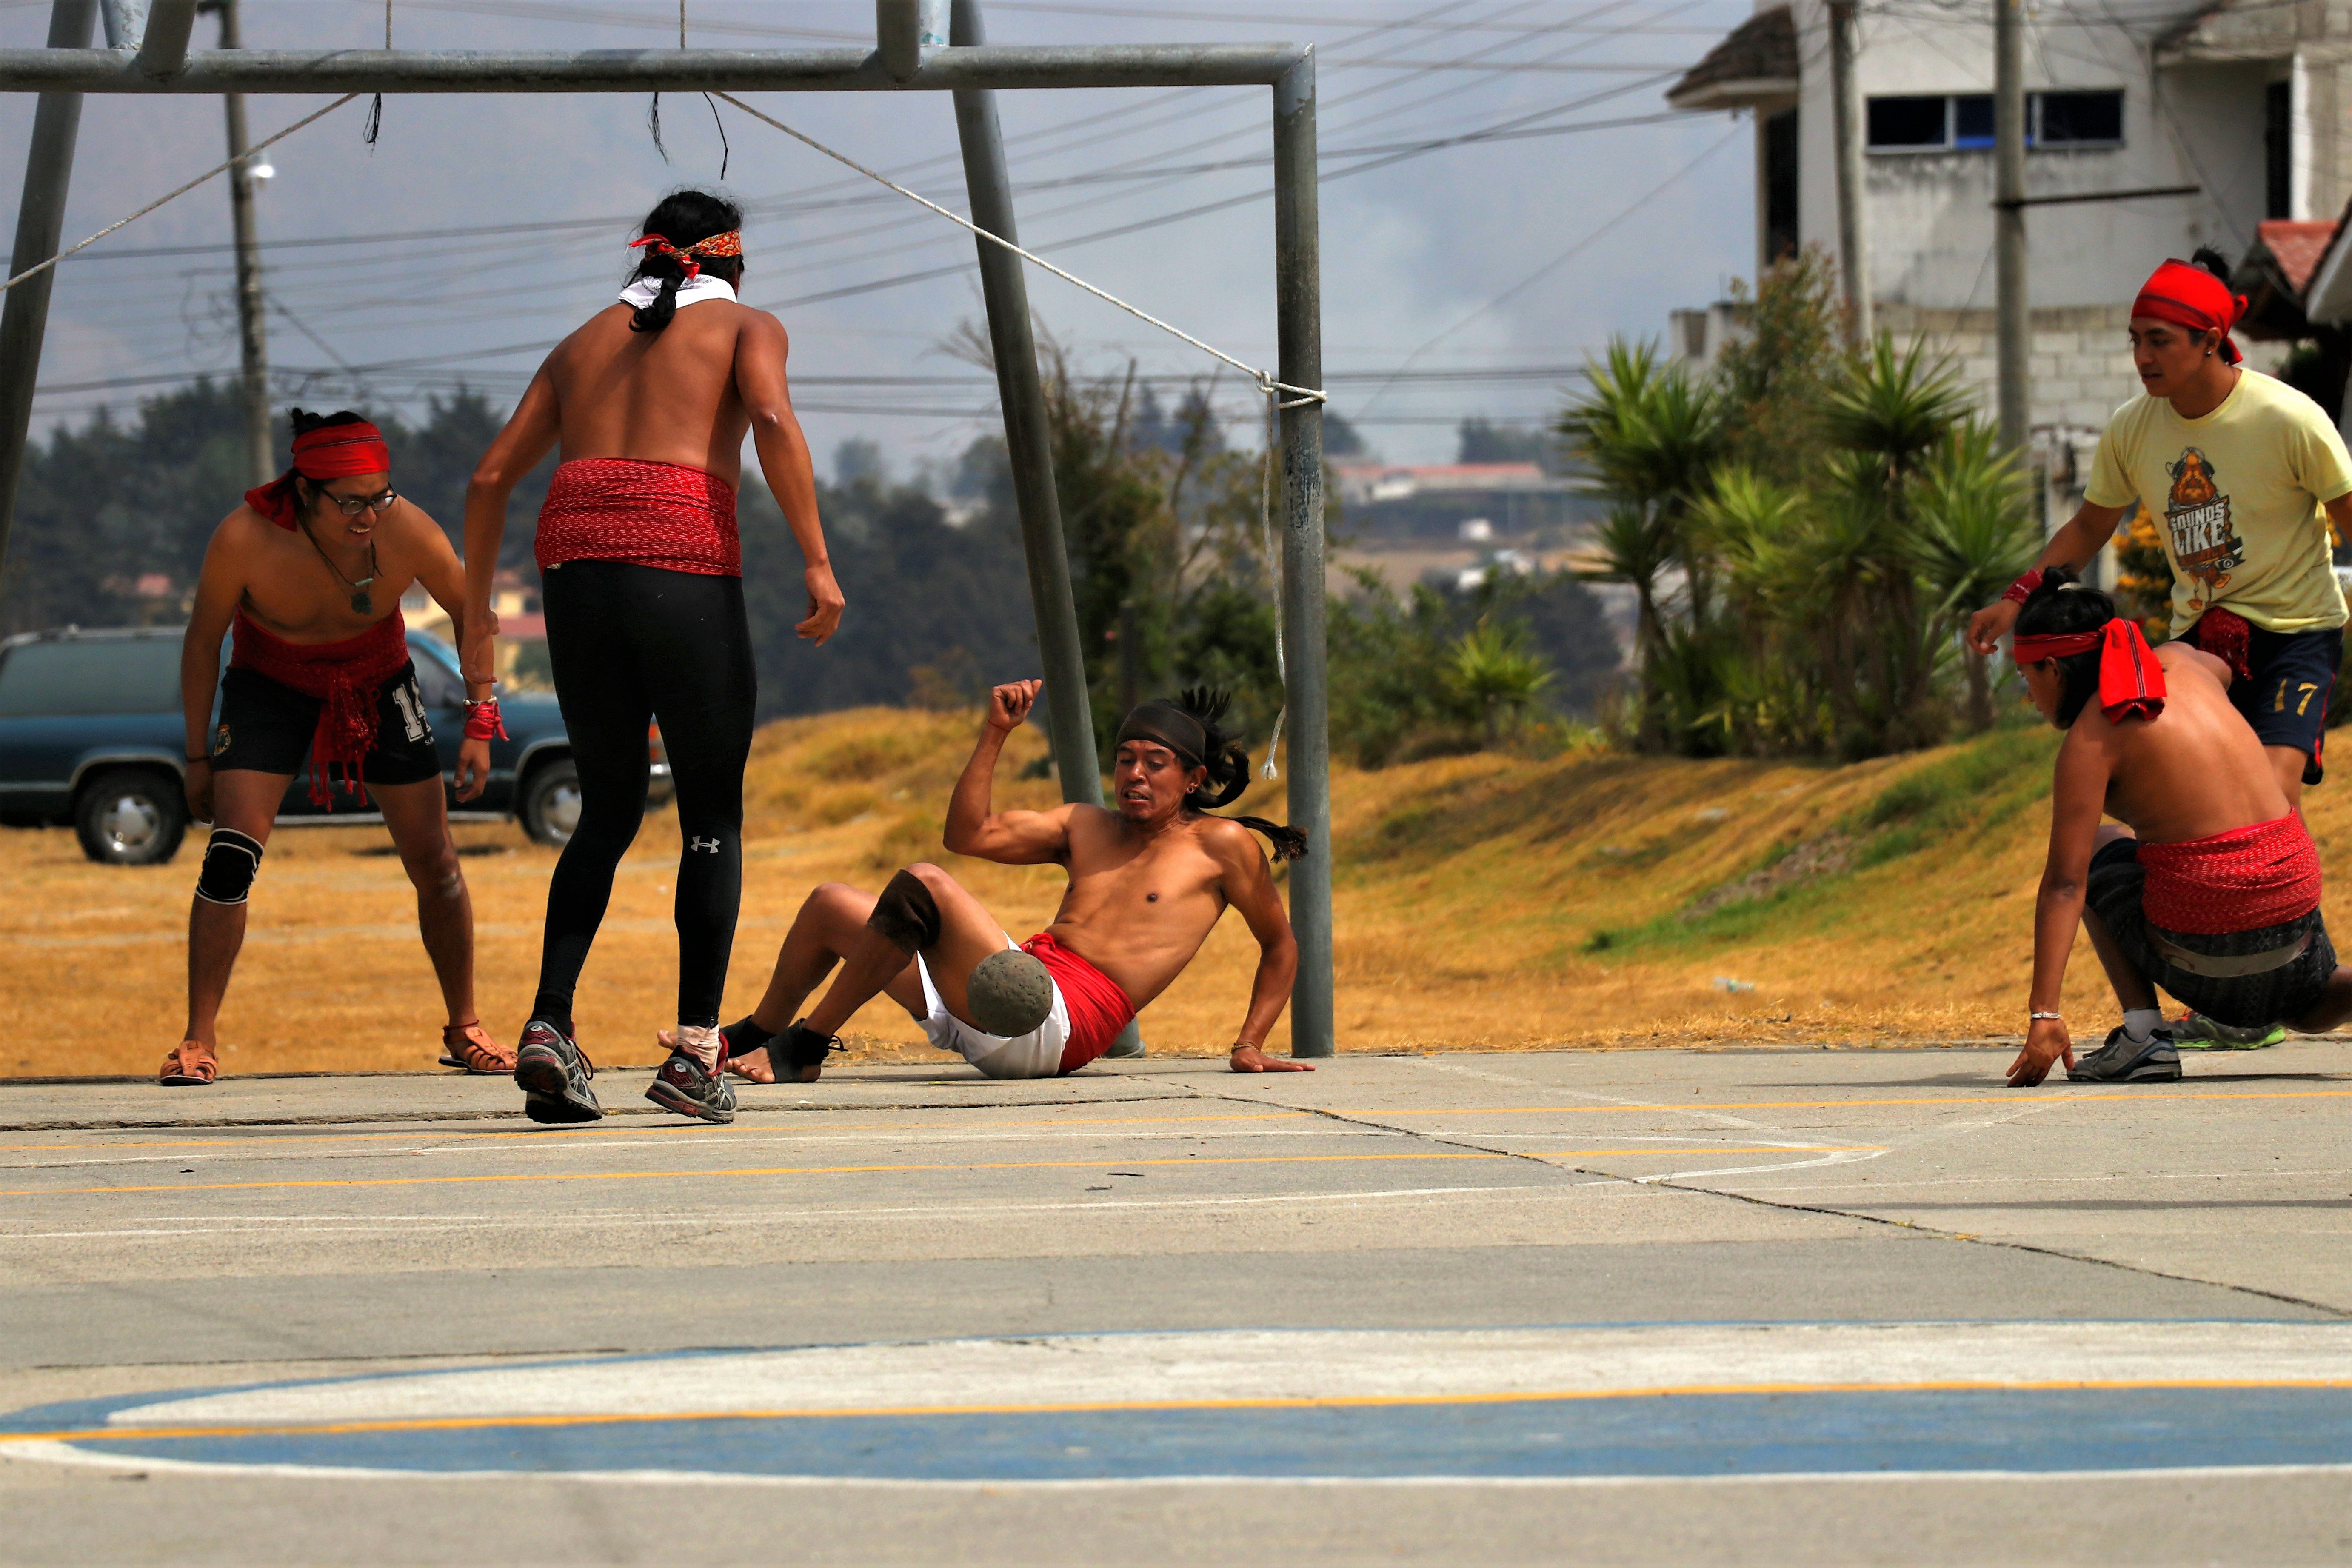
{"type": "Point", "coordinates": [682, 217]}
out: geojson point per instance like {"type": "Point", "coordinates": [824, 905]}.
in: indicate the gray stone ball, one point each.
{"type": "Point", "coordinates": [1010, 994]}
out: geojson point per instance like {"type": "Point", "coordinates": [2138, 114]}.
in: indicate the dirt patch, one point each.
{"type": "Point", "coordinates": [1827, 855]}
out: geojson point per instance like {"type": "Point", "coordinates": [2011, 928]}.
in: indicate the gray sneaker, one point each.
{"type": "Point", "coordinates": [682, 1086]}
{"type": "Point", "coordinates": [554, 1074]}
{"type": "Point", "coordinates": [2195, 1032]}
{"type": "Point", "coordinates": [2123, 1060]}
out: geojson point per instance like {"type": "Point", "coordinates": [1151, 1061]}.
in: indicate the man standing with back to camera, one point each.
{"type": "Point", "coordinates": [643, 594]}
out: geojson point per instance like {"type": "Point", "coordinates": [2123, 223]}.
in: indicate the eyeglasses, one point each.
{"type": "Point", "coordinates": [354, 505]}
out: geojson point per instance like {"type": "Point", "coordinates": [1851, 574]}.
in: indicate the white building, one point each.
{"type": "Point", "coordinates": [2240, 108]}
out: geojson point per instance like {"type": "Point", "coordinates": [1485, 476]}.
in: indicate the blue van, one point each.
{"type": "Point", "coordinates": [91, 734]}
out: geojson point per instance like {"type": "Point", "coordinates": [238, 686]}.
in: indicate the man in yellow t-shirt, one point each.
{"type": "Point", "coordinates": [2242, 475]}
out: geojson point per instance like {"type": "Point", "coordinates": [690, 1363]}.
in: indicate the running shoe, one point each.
{"type": "Point", "coordinates": [682, 1086]}
{"type": "Point", "coordinates": [2124, 1060]}
{"type": "Point", "coordinates": [555, 1074]}
{"type": "Point", "coordinates": [2195, 1032]}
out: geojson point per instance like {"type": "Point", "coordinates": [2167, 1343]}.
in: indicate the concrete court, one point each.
{"type": "Point", "coordinates": [1655, 1306]}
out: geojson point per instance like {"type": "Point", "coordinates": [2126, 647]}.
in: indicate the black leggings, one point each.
{"type": "Point", "coordinates": [631, 643]}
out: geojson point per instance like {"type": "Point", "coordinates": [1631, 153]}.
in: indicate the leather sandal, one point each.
{"type": "Point", "coordinates": [469, 1046]}
{"type": "Point", "coordinates": [191, 1063]}
{"type": "Point", "coordinates": [799, 1048]}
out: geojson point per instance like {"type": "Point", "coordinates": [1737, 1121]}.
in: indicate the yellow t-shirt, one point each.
{"type": "Point", "coordinates": [2237, 496]}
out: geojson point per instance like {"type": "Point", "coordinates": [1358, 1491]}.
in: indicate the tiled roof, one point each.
{"type": "Point", "coordinates": [1759, 58]}
{"type": "Point", "coordinates": [2296, 245]}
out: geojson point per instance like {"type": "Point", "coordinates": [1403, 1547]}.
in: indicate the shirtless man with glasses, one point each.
{"type": "Point", "coordinates": [308, 575]}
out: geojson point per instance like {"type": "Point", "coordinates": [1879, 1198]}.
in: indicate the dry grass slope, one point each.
{"type": "Point", "coordinates": [1485, 902]}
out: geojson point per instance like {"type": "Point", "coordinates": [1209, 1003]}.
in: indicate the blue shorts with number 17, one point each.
{"type": "Point", "coordinates": [2286, 701]}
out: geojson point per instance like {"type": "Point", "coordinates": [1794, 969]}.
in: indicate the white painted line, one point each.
{"type": "Point", "coordinates": [1213, 1366]}
{"type": "Point", "coordinates": [66, 1454]}
{"type": "Point", "coordinates": [251, 1224]}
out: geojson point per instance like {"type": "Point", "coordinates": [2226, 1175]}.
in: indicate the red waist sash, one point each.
{"type": "Point", "coordinates": [655, 515]}
{"type": "Point", "coordinates": [2265, 875]}
{"type": "Point", "coordinates": [1098, 1008]}
{"type": "Point", "coordinates": [345, 676]}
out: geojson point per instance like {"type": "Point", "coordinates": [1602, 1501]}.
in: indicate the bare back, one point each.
{"type": "Point", "coordinates": [670, 396]}
{"type": "Point", "coordinates": [2195, 769]}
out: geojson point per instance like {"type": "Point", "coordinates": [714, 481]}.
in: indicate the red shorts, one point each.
{"type": "Point", "coordinates": [1098, 1008]}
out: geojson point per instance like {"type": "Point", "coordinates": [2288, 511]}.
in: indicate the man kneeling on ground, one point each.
{"type": "Point", "coordinates": [2212, 892]}
{"type": "Point", "coordinates": [1147, 882]}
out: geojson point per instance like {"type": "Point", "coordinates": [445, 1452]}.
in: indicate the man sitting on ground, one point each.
{"type": "Point", "coordinates": [2216, 899]}
{"type": "Point", "coordinates": [1147, 882]}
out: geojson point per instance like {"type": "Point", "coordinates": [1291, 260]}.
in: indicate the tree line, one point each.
{"type": "Point", "coordinates": [1160, 515]}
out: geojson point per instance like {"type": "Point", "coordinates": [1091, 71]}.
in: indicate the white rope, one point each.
{"type": "Point", "coordinates": [217, 169]}
{"type": "Point", "coordinates": [1302, 396]}
{"type": "Point", "coordinates": [1273, 574]}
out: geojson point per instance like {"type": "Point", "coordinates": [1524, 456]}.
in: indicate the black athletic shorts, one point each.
{"type": "Point", "coordinates": [2286, 701]}
{"type": "Point", "coordinates": [267, 726]}
{"type": "Point", "coordinates": [2271, 995]}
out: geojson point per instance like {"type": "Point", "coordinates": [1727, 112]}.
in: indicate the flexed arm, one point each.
{"type": "Point", "coordinates": [530, 435]}
{"type": "Point", "coordinates": [1008, 837]}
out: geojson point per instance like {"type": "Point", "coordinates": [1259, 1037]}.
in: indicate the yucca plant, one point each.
{"type": "Point", "coordinates": [1974, 530]}
{"type": "Point", "coordinates": [1492, 671]}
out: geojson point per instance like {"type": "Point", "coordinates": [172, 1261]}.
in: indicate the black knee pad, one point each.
{"type": "Point", "coordinates": [906, 915]}
{"type": "Point", "coordinates": [231, 859]}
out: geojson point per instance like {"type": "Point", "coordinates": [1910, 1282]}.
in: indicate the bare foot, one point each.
{"type": "Point", "coordinates": [753, 1067]}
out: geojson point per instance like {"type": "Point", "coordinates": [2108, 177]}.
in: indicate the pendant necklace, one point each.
{"type": "Point", "coordinates": [363, 603]}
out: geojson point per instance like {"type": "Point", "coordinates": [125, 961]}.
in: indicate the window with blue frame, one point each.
{"type": "Point", "coordinates": [1942, 122]}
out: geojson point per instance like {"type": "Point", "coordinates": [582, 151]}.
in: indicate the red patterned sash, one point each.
{"type": "Point", "coordinates": [655, 515]}
{"type": "Point", "coordinates": [2249, 878]}
{"type": "Point", "coordinates": [345, 676]}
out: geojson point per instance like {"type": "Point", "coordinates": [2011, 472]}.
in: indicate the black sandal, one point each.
{"type": "Point", "coordinates": [799, 1048]}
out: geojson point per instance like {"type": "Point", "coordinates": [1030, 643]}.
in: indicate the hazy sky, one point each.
{"type": "Point", "coordinates": [1435, 258]}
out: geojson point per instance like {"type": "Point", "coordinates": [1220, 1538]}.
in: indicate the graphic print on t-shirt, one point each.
{"type": "Point", "coordinates": [2198, 514]}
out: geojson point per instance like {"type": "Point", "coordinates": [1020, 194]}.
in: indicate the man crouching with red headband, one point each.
{"type": "Point", "coordinates": [307, 573]}
{"type": "Point", "coordinates": [2212, 892]}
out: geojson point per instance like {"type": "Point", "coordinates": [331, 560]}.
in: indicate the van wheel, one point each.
{"type": "Point", "coordinates": [130, 817]}
{"type": "Point", "coordinates": [550, 804]}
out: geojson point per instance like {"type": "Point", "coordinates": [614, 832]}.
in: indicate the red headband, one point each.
{"type": "Point", "coordinates": [2193, 298]}
{"type": "Point", "coordinates": [728, 244]}
{"type": "Point", "coordinates": [2131, 680]}
{"type": "Point", "coordinates": [330, 452]}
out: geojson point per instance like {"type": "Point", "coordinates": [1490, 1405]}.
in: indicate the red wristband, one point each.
{"type": "Point", "coordinates": [2023, 589]}
{"type": "Point", "coordinates": [482, 720]}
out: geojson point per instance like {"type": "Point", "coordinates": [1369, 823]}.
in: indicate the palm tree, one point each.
{"type": "Point", "coordinates": [1975, 531]}
{"type": "Point", "coordinates": [1886, 416]}
{"type": "Point", "coordinates": [1654, 435]}
{"type": "Point", "coordinates": [1491, 669]}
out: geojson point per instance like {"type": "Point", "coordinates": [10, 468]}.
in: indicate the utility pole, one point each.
{"type": "Point", "coordinates": [1846, 119]}
{"type": "Point", "coordinates": [41, 223]}
{"type": "Point", "coordinates": [1028, 438]}
{"type": "Point", "coordinates": [2014, 339]}
{"type": "Point", "coordinates": [253, 352]}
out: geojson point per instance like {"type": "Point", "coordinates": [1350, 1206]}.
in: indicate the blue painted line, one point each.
{"type": "Point", "coordinates": [1677, 1436]}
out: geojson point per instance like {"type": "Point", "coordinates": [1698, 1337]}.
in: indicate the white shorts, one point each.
{"type": "Point", "coordinates": [1037, 1054]}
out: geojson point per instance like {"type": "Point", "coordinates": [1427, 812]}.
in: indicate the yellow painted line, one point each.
{"type": "Point", "coordinates": [2008, 1097]}
{"type": "Point", "coordinates": [575, 1134]}
{"type": "Point", "coordinates": [881, 1170]}
{"type": "Point", "coordinates": [1301, 1402]}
